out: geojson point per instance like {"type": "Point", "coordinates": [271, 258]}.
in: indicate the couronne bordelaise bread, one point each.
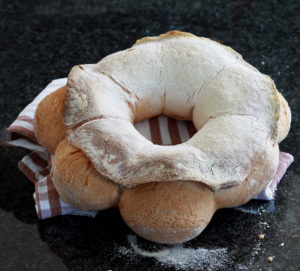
{"type": "Point", "coordinates": [166, 194]}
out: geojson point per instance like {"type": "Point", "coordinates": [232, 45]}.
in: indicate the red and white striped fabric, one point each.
{"type": "Point", "coordinates": [36, 166]}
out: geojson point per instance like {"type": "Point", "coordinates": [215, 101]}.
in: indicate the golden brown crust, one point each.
{"type": "Point", "coordinates": [48, 125]}
{"type": "Point", "coordinates": [276, 104]}
{"type": "Point", "coordinates": [168, 212]}
{"type": "Point", "coordinates": [170, 34]}
{"type": "Point", "coordinates": [78, 183]}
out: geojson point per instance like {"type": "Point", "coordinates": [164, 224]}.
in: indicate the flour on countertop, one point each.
{"type": "Point", "coordinates": [180, 257]}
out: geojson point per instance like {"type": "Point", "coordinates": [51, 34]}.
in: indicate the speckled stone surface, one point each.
{"type": "Point", "coordinates": [42, 40]}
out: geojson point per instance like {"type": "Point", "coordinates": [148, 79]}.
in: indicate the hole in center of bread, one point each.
{"type": "Point", "coordinates": [162, 130]}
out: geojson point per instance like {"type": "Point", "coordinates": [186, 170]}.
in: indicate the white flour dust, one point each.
{"type": "Point", "coordinates": [180, 257]}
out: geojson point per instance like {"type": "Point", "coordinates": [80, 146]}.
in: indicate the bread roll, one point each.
{"type": "Point", "coordinates": [48, 124]}
{"type": "Point", "coordinates": [78, 183]}
{"type": "Point", "coordinates": [168, 212]}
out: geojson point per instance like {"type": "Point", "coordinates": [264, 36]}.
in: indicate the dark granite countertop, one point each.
{"type": "Point", "coordinates": [42, 40]}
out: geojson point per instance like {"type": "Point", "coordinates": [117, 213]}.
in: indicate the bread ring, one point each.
{"type": "Point", "coordinates": [176, 74]}
{"type": "Point", "coordinates": [168, 209]}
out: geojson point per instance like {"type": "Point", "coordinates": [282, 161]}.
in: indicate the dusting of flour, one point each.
{"type": "Point", "coordinates": [180, 257]}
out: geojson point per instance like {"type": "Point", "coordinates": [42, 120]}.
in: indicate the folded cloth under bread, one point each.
{"type": "Point", "coordinates": [36, 166]}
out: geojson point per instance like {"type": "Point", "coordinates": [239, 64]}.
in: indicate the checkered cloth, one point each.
{"type": "Point", "coordinates": [37, 165]}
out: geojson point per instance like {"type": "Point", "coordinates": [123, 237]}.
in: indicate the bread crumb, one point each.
{"type": "Point", "coordinates": [281, 245]}
{"type": "Point", "coordinates": [261, 236]}
{"type": "Point", "coordinates": [265, 224]}
{"type": "Point", "coordinates": [270, 259]}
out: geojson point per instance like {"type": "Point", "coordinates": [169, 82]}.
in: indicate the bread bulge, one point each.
{"type": "Point", "coordinates": [170, 212]}
{"type": "Point", "coordinates": [79, 183]}
{"type": "Point", "coordinates": [48, 125]}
